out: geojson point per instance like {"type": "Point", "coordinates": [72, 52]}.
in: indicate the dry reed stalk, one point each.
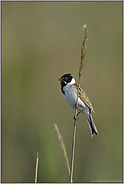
{"type": "Point", "coordinates": [75, 119]}
{"type": "Point", "coordinates": [63, 146]}
{"type": "Point", "coordinates": [36, 169]}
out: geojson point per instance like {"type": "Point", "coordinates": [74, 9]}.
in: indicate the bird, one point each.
{"type": "Point", "coordinates": [69, 90]}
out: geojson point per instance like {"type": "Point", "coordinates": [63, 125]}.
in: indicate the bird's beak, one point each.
{"type": "Point", "coordinates": [60, 79]}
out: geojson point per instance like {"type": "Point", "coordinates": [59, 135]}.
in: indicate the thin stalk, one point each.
{"type": "Point", "coordinates": [63, 147]}
{"type": "Point", "coordinates": [36, 169]}
{"type": "Point", "coordinates": [76, 113]}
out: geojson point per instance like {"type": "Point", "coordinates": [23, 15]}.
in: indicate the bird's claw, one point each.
{"type": "Point", "coordinates": [75, 118]}
{"type": "Point", "coordinates": [76, 106]}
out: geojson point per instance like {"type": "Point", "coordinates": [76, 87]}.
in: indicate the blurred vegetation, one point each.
{"type": "Point", "coordinates": [40, 42]}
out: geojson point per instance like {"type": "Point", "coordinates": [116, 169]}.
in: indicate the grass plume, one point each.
{"type": "Point", "coordinates": [63, 146]}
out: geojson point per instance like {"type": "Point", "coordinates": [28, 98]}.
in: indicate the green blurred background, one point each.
{"type": "Point", "coordinates": [41, 41]}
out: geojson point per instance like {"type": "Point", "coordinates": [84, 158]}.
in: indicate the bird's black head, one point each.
{"type": "Point", "coordinates": [64, 80]}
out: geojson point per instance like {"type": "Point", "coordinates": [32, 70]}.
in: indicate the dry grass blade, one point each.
{"type": "Point", "coordinates": [36, 169]}
{"type": "Point", "coordinates": [63, 147]}
{"type": "Point", "coordinates": [74, 129]}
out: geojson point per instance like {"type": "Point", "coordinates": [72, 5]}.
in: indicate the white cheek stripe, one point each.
{"type": "Point", "coordinates": [72, 81]}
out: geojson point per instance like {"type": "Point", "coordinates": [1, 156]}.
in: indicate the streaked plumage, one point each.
{"type": "Point", "coordinates": [84, 97]}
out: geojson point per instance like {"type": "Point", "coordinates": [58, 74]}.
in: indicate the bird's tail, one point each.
{"type": "Point", "coordinates": [92, 126]}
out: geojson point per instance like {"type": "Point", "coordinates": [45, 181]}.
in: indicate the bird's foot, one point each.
{"type": "Point", "coordinates": [76, 118]}
{"type": "Point", "coordinates": [76, 106]}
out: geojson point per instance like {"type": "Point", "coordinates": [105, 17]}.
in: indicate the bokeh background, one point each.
{"type": "Point", "coordinates": [41, 41]}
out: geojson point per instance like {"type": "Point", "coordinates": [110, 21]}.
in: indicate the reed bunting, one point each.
{"type": "Point", "coordinates": [69, 91]}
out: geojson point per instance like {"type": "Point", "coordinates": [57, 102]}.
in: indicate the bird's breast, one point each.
{"type": "Point", "coordinates": [70, 97]}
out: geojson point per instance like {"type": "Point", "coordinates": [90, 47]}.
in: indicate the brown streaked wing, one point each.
{"type": "Point", "coordinates": [82, 95]}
